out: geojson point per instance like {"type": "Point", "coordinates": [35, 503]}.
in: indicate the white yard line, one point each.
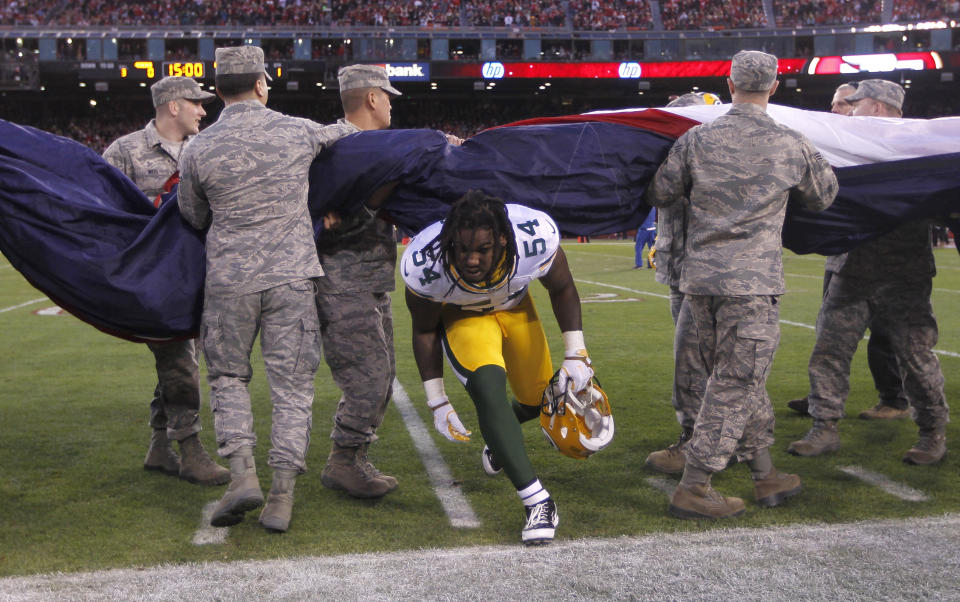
{"type": "Point", "coordinates": [881, 481]}
{"type": "Point", "coordinates": [207, 534]}
{"type": "Point", "coordinates": [663, 485]}
{"type": "Point", "coordinates": [455, 504]}
{"type": "Point", "coordinates": [624, 288]}
{"type": "Point", "coordinates": [13, 307]}
{"type": "Point", "coordinates": [787, 322]}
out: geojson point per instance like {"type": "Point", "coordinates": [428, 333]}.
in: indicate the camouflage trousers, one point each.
{"type": "Point", "coordinates": [176, 398]}
{"type": "Point", "coordinates": [357, 333]}
{"type": "Point", "coordinates": [690, 372]}
{"type": "Point", "coordinates": [901, 310]}
{"type": "Point", "coordinates": [738, 338]}
{"type": "Point", "coordinates": [887, 376]}
{"type": "Point", "coordinates": [286, 318]}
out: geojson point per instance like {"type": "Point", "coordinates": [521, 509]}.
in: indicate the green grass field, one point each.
{"type": "Point", "coordinates": [73, 432]}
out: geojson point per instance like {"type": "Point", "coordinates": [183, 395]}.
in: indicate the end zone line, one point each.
{"type": "Point", "coordinates": [31, 302]}
{"type": "Point", "coordinates": [904, 492]}
{"type": "Point", "coordinates": [455, 504]}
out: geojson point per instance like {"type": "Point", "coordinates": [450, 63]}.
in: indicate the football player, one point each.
{"type": "Point", "coordinates": [467, 281]}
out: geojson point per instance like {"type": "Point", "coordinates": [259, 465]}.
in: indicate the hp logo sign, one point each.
{"type": "Point", "coordinates": [493, 71]}
{"type": "Point", "coordinates": [629, 70]}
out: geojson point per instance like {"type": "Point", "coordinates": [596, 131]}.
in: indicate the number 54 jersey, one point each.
{"type": "Point", "coordinates": [537, 240]}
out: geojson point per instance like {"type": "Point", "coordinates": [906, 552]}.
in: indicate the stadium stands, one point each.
{"type": "Point", "coordinates": [804, 13]}
{"type": "Point", "coordinates": [712, 14]}
{"type": "Point", "coordinates": [675, 15]}
{"type": "Point", "coordinates": [615, 15]}
{"type": "Point", "coordinates": [925, 10]}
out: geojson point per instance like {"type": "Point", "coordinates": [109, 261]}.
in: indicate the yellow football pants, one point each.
{"type": "Point", "coordinates": [512, 339]}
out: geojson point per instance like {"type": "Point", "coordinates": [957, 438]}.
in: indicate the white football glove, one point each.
{"type": "Point", "coordinates": [576, 369]}
{"type": "Point", "coordinates": [446, 421]}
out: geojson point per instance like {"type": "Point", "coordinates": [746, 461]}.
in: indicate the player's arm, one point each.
{"type": "Point", "coordinates": [427, 350]}
{"type": "Point", "coordinates": [565, 300]}
{"type": "Point", "coordinates": [428, 353]}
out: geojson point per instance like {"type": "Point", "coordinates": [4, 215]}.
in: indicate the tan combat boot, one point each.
{"type": "Point", "coordinates": [820, 439]}
{"type": "Point", "coordinates": [776, 487]}
{"type": "Point", "coordinates": [703, 501]}
{"type": "Point", "coordinates": [671, 459]}
{"type": "Point", "coordinates": [275, 516]}
{"type": "Point", "coordinates": [344, 471]}
{"type": "Point", "coordinates": [161, 456]}
{"type": "Point", "coordinates": [930, 449]}
{"type": "Point", "coordinates": [196, 466]}
{"type": "Point", "coordinates": [243, 494]}
{"type": "Point", "coordinates": [882, 411]}
{"type": "Point", "coordinates": [370, 469]}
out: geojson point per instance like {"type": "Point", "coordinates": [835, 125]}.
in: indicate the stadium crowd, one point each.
{"type": "Point", "coordinates": [578, 14]}
{"type": "Point", "coordinates": [801, 13]}
{"type": "Point", "coordinates": [712, 14]}
{"type": "Point", "coordinates": [618, 14]}
{"type": "Point", "coordinates": [924, 10]}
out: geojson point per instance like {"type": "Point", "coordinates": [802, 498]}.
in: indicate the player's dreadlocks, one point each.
{"type": "Point", "coordinates": [477, 210]}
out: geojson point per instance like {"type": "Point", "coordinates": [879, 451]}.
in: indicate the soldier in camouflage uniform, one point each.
{"type": "Point", "coordinates": [885, 282]}
{"type": "Point", "coordinates": [690, 375]}
{"type": "Point", "coordinates": [359, 257]}
{"type": "Point", "coordinates": [882, 360]}
{"type": "Point", "coordinates": [732, 276]}
{"type": "Point", "coordinates": [149, 157]}
{"type": "Point", "coordinates": [246, 178]}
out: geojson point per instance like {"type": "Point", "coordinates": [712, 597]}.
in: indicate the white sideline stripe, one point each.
{"type": "Point", "coordinates": [663, 484]}
{"type": "Point", "coordinates": [207, 534]}
{"type": "Point", "coordinates": [946, 290]}
{"type": "Point", "coordinates": [31, 302]}
{"type": "Point", "coordinates": [787, 322]}
{"type": "Point", "coordinates": [792, 275]}
{"type": "Point", "coordinates": [454, 503]}
{"type": "Point", "coordinates": [904, 492]}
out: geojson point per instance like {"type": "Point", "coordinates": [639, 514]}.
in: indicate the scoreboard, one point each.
{"type": "Point", "coordinates": [147, 70]}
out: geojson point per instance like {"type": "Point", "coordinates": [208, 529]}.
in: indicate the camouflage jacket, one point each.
{"type": "Point", "coordinates": [360, 255]}
{"type": "Point", "coordinates": [145, 158]}
{"type": "Point", "coordinates": [246, 177]}
{"type": "Point", "coordinates": [905, 253]}
{"type": "Point", "coordinates": [738, 172]}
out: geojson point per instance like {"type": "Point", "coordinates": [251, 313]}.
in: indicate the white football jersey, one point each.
{"type": "Point", "coordinates": [537, 237]}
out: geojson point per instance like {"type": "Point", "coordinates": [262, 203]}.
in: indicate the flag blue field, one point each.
{"type": "Point", "coordinates": [83, 234]}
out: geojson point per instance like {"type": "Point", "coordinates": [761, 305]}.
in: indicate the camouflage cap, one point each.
{"type": "Point", "coordinates": [174, 87]}
{"type": "Point", "coordinates": [365, 76]}
{"type": "Point", "coordinates": [235, 60]}
{"type": "Point", "coordinates": [753, 71]}
{"type": "Point", "coordinates": [691, 99]}
{"type": "Point", "coordinates": [880, 90]}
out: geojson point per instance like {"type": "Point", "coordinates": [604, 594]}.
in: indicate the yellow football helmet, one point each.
{"type": "Point", "coordinates": [577, 423]}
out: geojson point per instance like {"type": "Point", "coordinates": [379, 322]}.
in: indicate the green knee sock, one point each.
{"type": "Point", "coordinates": [524, 413]}
{"type": "Point", "coordinates": [499, 425]}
